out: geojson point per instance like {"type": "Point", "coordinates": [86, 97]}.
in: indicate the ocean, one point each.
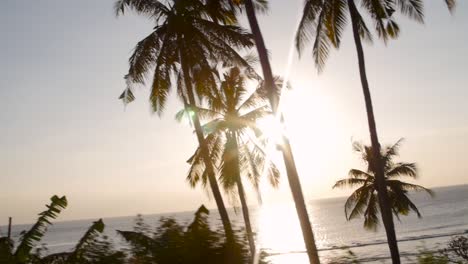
{"type": "Point", "coordinates": [278, 232]}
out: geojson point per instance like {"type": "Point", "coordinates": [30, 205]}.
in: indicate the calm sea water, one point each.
{"type": "Point", "coordinates": [278, 230]}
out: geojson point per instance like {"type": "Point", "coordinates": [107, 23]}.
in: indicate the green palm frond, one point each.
{"type": "Point", "coordinates": [392, 151]}
{"type": "Point", "coordinates": [127, 96]}
{"type": "Point", "coordinates": [149, 8]}
{"type": "Point", "coordinates": [364, 200]}
{"type": "Point", "coordinates": [363, 30]}
{"type": "Point", "coordinates": [336, 20]}
{"type": "Point", "coordinates": [371, 218]}
{"type": "Point", "coordinates": [307, 25]}
{"type": "Point", "coordinates": [378, 13]}
{"type": "Point", "coordinates": [359, 174]}
{"type": "Point", "coordinates": [451, 4]}
{"type": "Point", "coordinates": [414, 9]}
{"type": "Point", "coordinates": [137, 239]}
{"type": "Point", "coordinates": [403, 169]}
{"type": "Point", "coordinates": [6, 250]}
{"type": "Point", "coordinates": [351, 182]}
{"type": "Point", "coordinates": [93, 231]}
{"type": "Point", "coordinates": [404, 186]}
{"type": "Point", "coordinates": [187, 29]}
{"type": "Point", "coordinates": [37, 231]}
{"type": "Point", "coordinates": [322, 43]}
{"type": "Point", "coordinates": [357, 201]}
{"type": "Point", "coordinates": [234, 120]}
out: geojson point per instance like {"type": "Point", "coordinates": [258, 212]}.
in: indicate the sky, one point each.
{"type": "Point", "coordinates": [63, 131]}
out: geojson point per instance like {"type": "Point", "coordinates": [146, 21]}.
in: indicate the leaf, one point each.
{"type": "Point", "coordinates": [37, 231]}
{"type": "Point", "coordinates": [93, 231]}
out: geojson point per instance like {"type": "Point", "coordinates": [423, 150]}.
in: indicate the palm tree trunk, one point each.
{"type": "Point", "coordinates": [384, 201]}
{"type": "Point", "coordinates": [291, 170]}
{"type": "Point", "coordinates": [243, 200]}
{"type": "Point", "coordinates": [206, 156]}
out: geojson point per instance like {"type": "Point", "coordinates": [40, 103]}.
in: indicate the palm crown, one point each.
{"type": "Point", "coordinates": [364, 201]}
{"type": "Point", "coordinates": [233, 136]}
{"type": "Point", "coordinates": [185, 32]}
{"type": "Point", "coordinates": [328, 18]}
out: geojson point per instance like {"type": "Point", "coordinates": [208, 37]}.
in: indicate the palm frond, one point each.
{"type": "Point", "coordinates": [307, 23]}
{"type": "Point", "coordinates": [451, 4]}
{"type": "Point", "coordinates": [357, 201]}
{"type": "Point", "coordinates": [6, 249]}
{"type": "Point", "coordinates": [351, 182]}
{"type": "Point", "coordinates": [127, 96]}
{"type": "Point", "coordinates": [93, 231]}
{"type": "Point", "coordinates": [363, 30]}
{"type": "Point", "coordinates": [322, 42]}
{"type": "Point", "coordinates": [378, 13]}
{"type": "Point", "coordinates": [403, 169]}
{"type": "Point", "coordinates": [149, 8]}
{"type": "Point", "coordinates": [137, 239]}
{"type": "Point", "coordinates": [414, 9]}
{"type": "Point", "coordinates": [37, 231]}
{"type": "Point", "coordinates": [359, 174]}
{"type": "Point", "coordinates": [397, 185]}
{"type": "Point", "coordinates": [336, 20]}
{"type": "Point", "coordinates": [371, 218]}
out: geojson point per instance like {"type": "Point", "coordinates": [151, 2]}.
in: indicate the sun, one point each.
{"type": "Point", "coordinates": [313, 127]}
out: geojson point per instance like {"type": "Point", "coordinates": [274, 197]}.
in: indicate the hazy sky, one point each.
{"type": "Point", "coordinates": [63, 131]}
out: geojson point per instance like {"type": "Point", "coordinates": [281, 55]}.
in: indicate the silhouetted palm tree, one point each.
{"type": "Point", "coordinates": [364, 201]}
{"type": "Point", "coordinates": [89, 249]}
{"type": "Point", "coordinates": [30, 238]}
{"type": "Point", "coordinates": [186, 36]}
{"type": "Point", "coordinates": [272, 93]}
{"type": "Point", "coordinates": [326, 20]}
{"type": "Point", "coordinates": [235, 141]}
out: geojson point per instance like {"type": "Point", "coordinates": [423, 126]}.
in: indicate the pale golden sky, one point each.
{"type": "Point", "coordinates": [64, 132]}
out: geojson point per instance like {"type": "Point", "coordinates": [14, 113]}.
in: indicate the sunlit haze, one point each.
{"type": "Point", "coordinates": [63, 130]}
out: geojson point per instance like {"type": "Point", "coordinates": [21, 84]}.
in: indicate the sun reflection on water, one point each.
{"type": "Point", "coordinates": [279, 234]}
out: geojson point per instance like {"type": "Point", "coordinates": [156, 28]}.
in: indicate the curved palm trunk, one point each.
{"type": "Point", "coordinates": [243, 200]}
{"type": "Point", "coordinates": [384, 201]}
{"type": "Point", "coordinates": [288, 157]}
{"type": "Point", "coordinates": [206, 156]}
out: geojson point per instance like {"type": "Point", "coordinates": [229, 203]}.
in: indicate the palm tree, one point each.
{"type": "Point", "coordinates": [272, 93]}
{"type": "Point", "coordinates": [185, 36]}
{"type": "Point", "coordinates": [234, 140]}
{"type": "Point", "coordinates": [82, 253]}
{"type": "Point", "coordinates": [364, 201]}
{"type": "Point", "coordinates": [30, 238]}
{"type": "Point", "coordinates": [327, 19]}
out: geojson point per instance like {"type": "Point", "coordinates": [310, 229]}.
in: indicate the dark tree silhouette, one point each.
{"type": "Point", "coordinates": [187, 35]}
{"type": "Point", "coordinates": [324, 21]}
{"type": "Point", "coordinates": [235, 141]}
{"type": "Point", "coordinates": [364, 201]}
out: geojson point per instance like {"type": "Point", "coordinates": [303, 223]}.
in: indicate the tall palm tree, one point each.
{"type": "Point", "coordinates": [235, 141]}
{"type": "Point", "coordinates": [326, 20]}
{"type": "Point", "coordinates": [364, 201]}
{"type": "Point", "coordinates": [272, 93]}
{"type": "Point", "coordinates": [185, 36]}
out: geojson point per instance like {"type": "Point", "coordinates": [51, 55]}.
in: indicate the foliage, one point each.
{"type": "Point", "coordinates": [457, 250]}
{"type": "Point", "coordinates": [323, 22]}
{"type": "Point", "coordinates": [364, 201]}
{"type": "Point", "coordinates": [174, 243]}
{"type": "Point", "coordinates": [186, 33]}
{"type": "Point", "coordinates": [30, 238]}
{"type": "Point", "coordinates": [234, 139]}
{"type": "Point", "coordinates": [92, 248]}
